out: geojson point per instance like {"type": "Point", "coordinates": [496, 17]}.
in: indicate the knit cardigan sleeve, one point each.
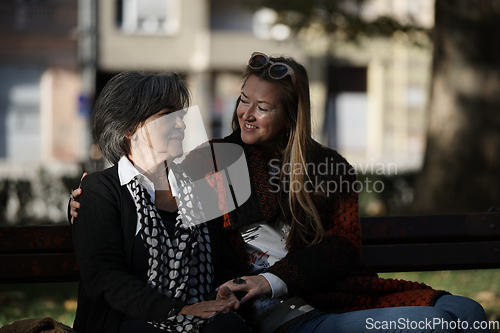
{"type": "Point", "coordinates": [98, 238]}
{"type": "Point", "coordinates": [320, 267]}
{"type": "Point", "coordinates": [330, 274]}
{"type": "Point", "coordinates": [307, 269]}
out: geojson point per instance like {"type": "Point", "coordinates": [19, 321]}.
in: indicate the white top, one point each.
{"type": "Point", "coordinates": [265, 245]}
{"type": "Point", "coordinates": [127, 172]}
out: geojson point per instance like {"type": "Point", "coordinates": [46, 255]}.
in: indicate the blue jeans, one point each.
{"type": "Point", "coordinates": [449, 314]}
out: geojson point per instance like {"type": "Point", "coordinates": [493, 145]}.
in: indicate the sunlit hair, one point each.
{"type": "Point", "coordinates": [297, 149]}
{"type": "Point", "coordinates": [127, 100]}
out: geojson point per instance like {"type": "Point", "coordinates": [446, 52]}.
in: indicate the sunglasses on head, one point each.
{"type": "Point", "coordinates": [277, 70]}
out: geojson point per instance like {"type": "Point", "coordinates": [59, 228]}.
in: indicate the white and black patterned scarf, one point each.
{"type": "Point", "coordinates": [179, 266]}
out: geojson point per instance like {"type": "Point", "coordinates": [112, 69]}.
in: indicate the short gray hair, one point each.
{"type": "Point", "coordinates": [126, 101]}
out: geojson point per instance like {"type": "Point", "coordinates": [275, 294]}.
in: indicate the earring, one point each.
{"type": "Point", "coordinates": [285, 137]}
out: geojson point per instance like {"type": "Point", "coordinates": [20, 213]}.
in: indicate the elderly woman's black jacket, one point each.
{"type": "Point", "coordinates": [103, 236]}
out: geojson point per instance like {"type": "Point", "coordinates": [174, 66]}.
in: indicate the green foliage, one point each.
{"type": "Point", "coordinates": [70, 183]}
{"type": "Point", "coordinates": [394, 199]}
{"type": "Point", "coordinates": [480, 285]}
{"type": "Point", "coordinates": [38, 199]}
{"type": "Point", "coordinates": [24, 192]}
{"type": "Point", "coordinates": [4, 197]}
{"type": "Point", "coordinates": [56, 300]}
{"type": "Point", "coordinates": [341, 19]}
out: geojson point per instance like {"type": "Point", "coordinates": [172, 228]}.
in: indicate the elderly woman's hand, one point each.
{"type": "Point", "coordinates": [224, 293]}
{"type": "Point", "coordinates": [208, 308]}
{"type": "Point", "coordinates": [254, 285]}
{"type": "Point", "coordinates": [74, 204]}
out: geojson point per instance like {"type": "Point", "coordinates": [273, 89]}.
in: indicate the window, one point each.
{"type": "Point", "coordinates": [148, 16]}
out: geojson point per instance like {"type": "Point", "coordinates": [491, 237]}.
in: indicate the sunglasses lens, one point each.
{"type": "Point", "coordinates": [257, 61]}
{"type": "Point", "coordinates": [278, 71]}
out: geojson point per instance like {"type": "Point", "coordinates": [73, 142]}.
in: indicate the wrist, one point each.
{"type": "Point", "coordinates": [278, 286]}
{"type": "Point", "coordinates": [176, 309]}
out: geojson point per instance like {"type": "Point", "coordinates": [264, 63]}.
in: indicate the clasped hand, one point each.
{"type": "Point", "coordinates": [209, 308]}
{"type": "Point", "coordinates": [226, 301]}
{"type": "Point", "coordinates": [254, 285]}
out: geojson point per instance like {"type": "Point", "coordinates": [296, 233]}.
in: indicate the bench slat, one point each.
{"type": "Point", "coordinates": [390, 244]}
{"type": "Point", "coordinates": [433, 256]}
{"type": "Point", "coordinates": [53, 267]}
{"type": "Point", "coordinates": [36, 239]}
{"type": "Point", "coordinates": [432, 228]}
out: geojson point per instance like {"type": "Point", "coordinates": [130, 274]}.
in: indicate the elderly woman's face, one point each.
{"type": "Point", "coordinates": [162, 134]}
{"type": "Point", "coordinates": [260, 115]}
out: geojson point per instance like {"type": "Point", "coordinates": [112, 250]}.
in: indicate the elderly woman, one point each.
{"type": "Point", "coordinates": [145, 265]}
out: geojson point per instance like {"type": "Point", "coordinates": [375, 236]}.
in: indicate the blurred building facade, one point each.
{"type": "Point", "coordinates": [369, 99]}
{"type": "Point", "coordinates": [209, 40]}
{"type": "Point", "coordinates": [40, 82]}
{"type": "Point", "coordinates": [378, 91]}
{"type": "Point", "coordinates": [41, 132]}
{"type": "Point", "coordinates": [377, 95]}
{"type": "Point", "coordinates": [56, 55]}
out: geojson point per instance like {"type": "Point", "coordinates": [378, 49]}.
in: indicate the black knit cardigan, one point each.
{"type": "Point", "coordinates": [329, 275]}
{"type": "Point", "coordinates": [103, 237]}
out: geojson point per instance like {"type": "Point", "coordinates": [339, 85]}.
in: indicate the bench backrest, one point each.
{"type": "Point", "coordinates": [440, 242]}
{"type": "Point", "coordinates": [37, 254]}
{"type": "Point", "coordinates": [390, 244]}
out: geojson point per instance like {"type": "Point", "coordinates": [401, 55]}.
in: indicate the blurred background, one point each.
{"type": "Point", "coordinates": [408, 91]}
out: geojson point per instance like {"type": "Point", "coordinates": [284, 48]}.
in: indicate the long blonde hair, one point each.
{"type": "Point", "coordinates": [298, 147]}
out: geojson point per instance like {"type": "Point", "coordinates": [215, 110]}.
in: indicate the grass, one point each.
{"type": "Point", "coordinates": [480, 285]}
{"type": "Point", "coordinates": [58, 300]}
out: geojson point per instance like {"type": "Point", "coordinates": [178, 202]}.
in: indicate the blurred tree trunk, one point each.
{"type": "Point", "coordinates": [461, 171]}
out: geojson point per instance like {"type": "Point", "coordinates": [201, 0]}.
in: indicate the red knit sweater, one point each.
{"type": "Point", "coordinates": [330, 274]}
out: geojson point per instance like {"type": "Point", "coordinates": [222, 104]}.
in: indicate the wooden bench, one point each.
{"type": "Point", "coordinates": [391, 244]}
{"type": "Point", "coordinates": [37, 254]}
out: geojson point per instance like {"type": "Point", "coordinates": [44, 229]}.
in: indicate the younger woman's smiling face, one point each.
{"type": "Point", "coordinates": [260, 115]}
